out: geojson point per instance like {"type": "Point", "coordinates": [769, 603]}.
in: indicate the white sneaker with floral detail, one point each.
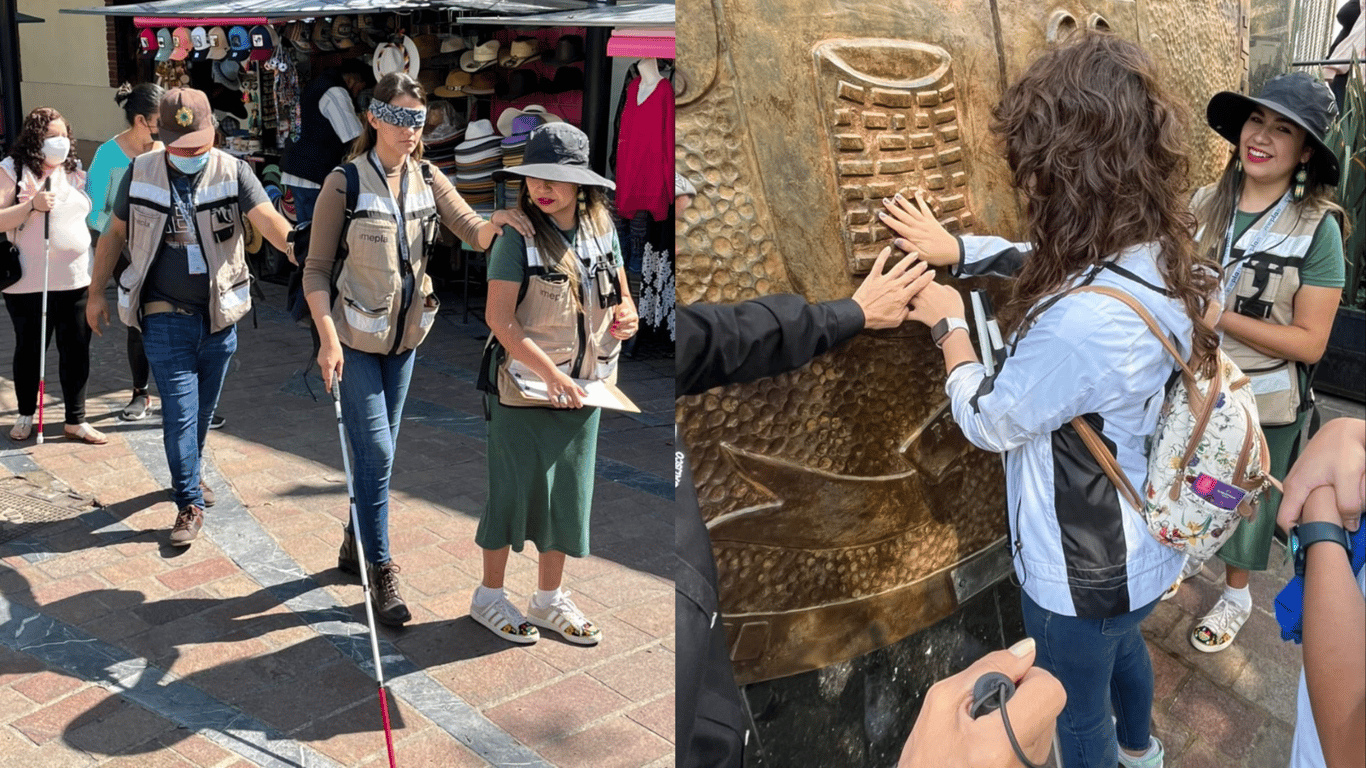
{"type": "Point", "coordinates": [1216, 630]}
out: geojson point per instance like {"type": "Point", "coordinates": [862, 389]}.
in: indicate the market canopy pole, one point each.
{"type": "Point", "coordinates": [597, 73]}
{"type": "Point", "coordinates": [12, 104]}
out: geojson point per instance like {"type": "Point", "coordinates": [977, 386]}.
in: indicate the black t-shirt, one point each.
{"type": "Point", "coordinates": [179, 272]}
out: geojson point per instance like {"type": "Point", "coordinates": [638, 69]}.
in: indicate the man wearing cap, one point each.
{"type": "Point", "coordinates": [180, 213]}
{"type": "Point", "coordinates": [328, 125]}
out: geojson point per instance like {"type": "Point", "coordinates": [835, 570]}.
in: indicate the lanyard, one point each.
{"type": "Point", "coordinates": [1252, 248]}
{"type": "Point", "coordinates": [402, 231]}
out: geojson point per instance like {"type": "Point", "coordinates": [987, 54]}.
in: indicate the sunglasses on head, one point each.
{"type": "Point", "coordinates": [402, 117]}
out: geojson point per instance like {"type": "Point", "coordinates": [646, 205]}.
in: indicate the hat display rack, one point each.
{"type": "Point", "coordinates": [232, 60]}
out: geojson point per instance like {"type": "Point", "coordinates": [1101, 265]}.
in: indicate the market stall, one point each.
{"type": "Point", "coordinates": [489, 80]}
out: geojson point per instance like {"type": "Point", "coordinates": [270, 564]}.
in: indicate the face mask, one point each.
{"type": "Point", "coordinates": [189, 165]}
{"type": "Point", "coordinates": [56, 148]}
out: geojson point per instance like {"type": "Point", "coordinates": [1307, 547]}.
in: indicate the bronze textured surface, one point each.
{"type": "Point", "coordinates": [846, 509]}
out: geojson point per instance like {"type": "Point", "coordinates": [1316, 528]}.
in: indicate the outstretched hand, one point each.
{"type": "Point", "coordinates": [918, 230]}
{"type": "Point", "coordinates": [884, 297]}
{"type": "Point", "coordinates": [946, 735]}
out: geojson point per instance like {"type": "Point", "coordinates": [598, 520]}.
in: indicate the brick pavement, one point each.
{"type": "Point", "coordinates": [249, 647]}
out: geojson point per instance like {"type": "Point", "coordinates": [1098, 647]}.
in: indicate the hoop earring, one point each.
{"type": "Point", "coordinates": [1301, 176]}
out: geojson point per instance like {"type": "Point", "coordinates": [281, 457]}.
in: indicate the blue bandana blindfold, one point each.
{"type": "Point", "coordinates": [402, 117]}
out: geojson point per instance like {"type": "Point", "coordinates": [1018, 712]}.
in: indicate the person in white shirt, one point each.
{"type": "Point", "coordinates": [329, 125]}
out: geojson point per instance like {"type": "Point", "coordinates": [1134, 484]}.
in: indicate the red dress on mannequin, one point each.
{"type": "Point", "coordinates": [645, 152]}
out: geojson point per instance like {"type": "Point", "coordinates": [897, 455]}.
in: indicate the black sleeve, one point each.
{"type": "Point", "coordinates": [734, 343]}
{"type": "Point", "coordinates": [120, 208]}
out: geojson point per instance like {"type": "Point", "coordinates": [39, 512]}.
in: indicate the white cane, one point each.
{"type": "Point", "coordinates": [364, 571]}
{"type": "Point", "coordinates": [42, 325]}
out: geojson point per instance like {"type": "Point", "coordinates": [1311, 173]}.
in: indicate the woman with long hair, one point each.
{"type": "Point", "coordinates": [1271, 223]}
{"type": "Point", "coordinates": [42, 189]}
{"type": "Point", "coordinates": [559, 308]}
{"type": "Point", "coordinates": [1096, 147]}
{"type": "Point", "coordinates": [141, 109]}
{"type": "Point", "coordinates": [372, 300]}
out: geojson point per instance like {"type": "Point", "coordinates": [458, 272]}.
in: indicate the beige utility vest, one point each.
{"type": "Point", "coordinates": [1266, 289]}
{"type": "Point", "coordinates": [371, 312]}
{"type": "Point", "coordinates": [1270, 277]}
{"type": "Point", "coordinates": [218, 230]}
{"type": "Point", "coordinates": [576, 336]}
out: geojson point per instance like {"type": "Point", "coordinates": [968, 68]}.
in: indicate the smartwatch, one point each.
{"type": "Point", "coordinates": [1304, 535]}
{"type": "Point", "coordinates": [944, 327]}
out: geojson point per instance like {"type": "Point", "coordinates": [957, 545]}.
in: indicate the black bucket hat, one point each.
{"type": "Point", "coordinates": [556, 152]}
{"type": "Point", "coordinates": [1303, 100]}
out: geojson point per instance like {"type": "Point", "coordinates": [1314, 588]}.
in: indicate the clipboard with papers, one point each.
{"type": "Point", "coordinates": [600, 393]}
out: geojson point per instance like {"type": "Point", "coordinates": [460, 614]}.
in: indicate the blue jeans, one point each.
{"type": "Point", "coordinates": [373, 389]}
{"type": "Point", "coordinates": [1103, 665]}
{"type": "Point", "coordinates": [189, 364]}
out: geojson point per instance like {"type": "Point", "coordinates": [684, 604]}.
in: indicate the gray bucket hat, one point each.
{"type": "Point", "coordinates": [557, 152]}
{"type": "Point", "coordinates": [1303, 100]}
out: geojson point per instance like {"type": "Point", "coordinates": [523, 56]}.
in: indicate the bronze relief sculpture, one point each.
{"type": "Point", "coordinates": [845, 508]}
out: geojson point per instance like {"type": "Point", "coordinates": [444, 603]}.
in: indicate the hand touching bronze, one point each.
{"type": "Point", "coordinates": [919, 231]}
{"type": "Point", "coordinates": [885, 298]}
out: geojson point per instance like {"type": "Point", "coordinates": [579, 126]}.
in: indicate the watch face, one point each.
{"type": "Point", "coordinates": [1294, 542]}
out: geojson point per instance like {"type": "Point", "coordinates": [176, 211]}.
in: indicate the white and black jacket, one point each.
{"type": "Point", "coordinates": [1079, 549]}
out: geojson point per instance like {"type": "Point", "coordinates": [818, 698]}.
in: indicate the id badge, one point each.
{"type": "Point", "coordinates": [195, 257]}
{"type": "Point", "coordinates": [1221, 495]}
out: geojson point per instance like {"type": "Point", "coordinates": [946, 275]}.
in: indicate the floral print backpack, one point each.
{"type": "Point", "coordinates": [1208, 460]}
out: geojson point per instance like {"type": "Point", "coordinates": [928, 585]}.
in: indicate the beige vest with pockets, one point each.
{"type": "Point", "coordinates": [218, 228]}
{"type": "Point", "coordinates": [368, 310]}
{"type": "Point", "coordinates": [1266, 290]}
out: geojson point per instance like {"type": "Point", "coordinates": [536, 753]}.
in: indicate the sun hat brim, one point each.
{"type": "Point", "coordinates": [1227, 111]}
{"type": "Point", "coordinates": [556, 172]}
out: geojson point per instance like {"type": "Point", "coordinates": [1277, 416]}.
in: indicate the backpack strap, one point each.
{"type": "Point", "coordinates": [1108, 463]}
{"type": "Point", "coordinates": [352, 175]}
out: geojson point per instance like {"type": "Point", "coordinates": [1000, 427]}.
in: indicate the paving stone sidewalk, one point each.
{"type": "Point", "coordinates": [250, 648]}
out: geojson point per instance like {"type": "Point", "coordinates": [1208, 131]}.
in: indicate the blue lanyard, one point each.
{"type": "Point", "coordinates": [1252, 248]}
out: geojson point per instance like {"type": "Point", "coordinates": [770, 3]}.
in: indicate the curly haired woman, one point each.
{"type": "Point", "coordinates": [1096, 147]}
{"type": "Point", "coordinates": [41, 187]}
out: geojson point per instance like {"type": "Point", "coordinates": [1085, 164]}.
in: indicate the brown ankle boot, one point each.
{"type": "Point", "coordinates": [390, 609]}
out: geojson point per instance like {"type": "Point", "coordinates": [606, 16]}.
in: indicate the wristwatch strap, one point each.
{"type": "Point", "coordinates": [1306, 534]}
{"type": "Point", "coordinates": [944, 327]}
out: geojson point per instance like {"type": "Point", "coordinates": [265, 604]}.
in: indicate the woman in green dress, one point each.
{"type": "Point", "coordinates": [559, 308]}
{"type": "Point", "coordinates": [1272, 224]}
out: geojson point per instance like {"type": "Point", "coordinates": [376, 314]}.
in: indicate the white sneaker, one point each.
{"type": "Point", "coordinates": [1152, 760]}
{"type": "Point", "coordinates": [504, 620]}
{"type": "Point", "coordinates": [564, 617]}
{"type": "Point", "coordinates": [1216, 630]}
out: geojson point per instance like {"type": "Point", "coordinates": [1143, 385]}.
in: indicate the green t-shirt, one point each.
{"type": "Point", "coordinates": [507, 260]}
{"type": "Point", "coordinates": [1323, 266]}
